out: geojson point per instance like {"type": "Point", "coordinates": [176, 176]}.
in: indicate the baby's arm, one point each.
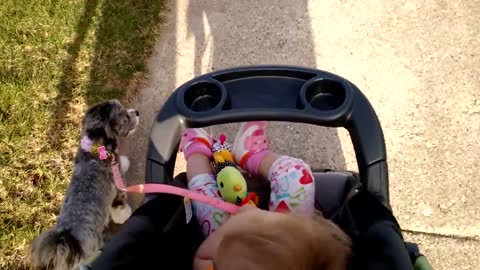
{"type": "Point", "coordinates": [201, 179]}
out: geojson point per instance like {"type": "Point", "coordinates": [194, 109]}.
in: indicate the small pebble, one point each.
{"type": "Point", "coordinates": [427, 212]}
{"type": "Point", "coordinates": [430, 145]}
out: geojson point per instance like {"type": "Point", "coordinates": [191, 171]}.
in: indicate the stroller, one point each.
{"type": "Point", "coordinates": [158, 235]}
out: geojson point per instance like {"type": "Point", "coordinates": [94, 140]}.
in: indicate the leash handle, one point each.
{"type": "Point", "coordinates": [163, 188]}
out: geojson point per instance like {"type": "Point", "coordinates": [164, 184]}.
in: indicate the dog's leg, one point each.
{"type": "Point", "coordinates": [120, 209]}
{"type": "Point", "coordinates": [124, 163]}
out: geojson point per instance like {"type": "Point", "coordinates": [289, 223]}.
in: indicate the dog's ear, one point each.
{"type": "Point", "coordinates": [110, 132]}
{"type": "Point", "coordinates": [99, 119]}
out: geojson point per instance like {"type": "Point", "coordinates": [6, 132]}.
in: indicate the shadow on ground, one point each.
{"type": "Point", "coordinates": [200, 36]}
{"type": "Point", "coordinates": [118, 35]}
{"type": "Point", "coordinates": [224, 37]}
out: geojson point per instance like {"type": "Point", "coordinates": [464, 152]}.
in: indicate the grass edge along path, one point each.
{"type": "Point", "coordinates": [57, 58]}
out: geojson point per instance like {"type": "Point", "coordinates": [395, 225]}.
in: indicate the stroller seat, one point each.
{"type": "Point", "coordinates": [332, 189]}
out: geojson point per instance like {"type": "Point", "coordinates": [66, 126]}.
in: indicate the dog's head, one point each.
{"type": "Point", "coordinates": [109, 122]}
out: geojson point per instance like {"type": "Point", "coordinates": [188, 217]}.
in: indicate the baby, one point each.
{"type": "Point", "coordinates": [289, 236]}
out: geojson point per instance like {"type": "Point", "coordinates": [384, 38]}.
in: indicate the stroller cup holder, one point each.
{"type": "Point", "coordinates": [323, 94]}
{"type": "Point", "coordinates": [271, 93]}
{"type": "Point", "coordinates": [205, 96]}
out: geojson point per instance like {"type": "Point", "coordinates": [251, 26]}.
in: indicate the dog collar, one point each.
{"type": "Point", "coordinates": [87, 145]}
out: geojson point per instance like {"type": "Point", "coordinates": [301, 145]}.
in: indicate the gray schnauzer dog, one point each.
{"type": "Point", "coordinates": [92, 199]}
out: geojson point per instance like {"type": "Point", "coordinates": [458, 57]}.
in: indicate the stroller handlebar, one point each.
{"type": "Point", "coordinates": [271, 93]}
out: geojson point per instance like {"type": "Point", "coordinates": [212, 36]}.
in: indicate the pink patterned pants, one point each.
{"type": "Point", "coordinates": [292, 185]}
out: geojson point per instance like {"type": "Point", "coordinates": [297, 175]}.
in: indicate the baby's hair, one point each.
{"type": "Point", "coordinates": [293, 242]}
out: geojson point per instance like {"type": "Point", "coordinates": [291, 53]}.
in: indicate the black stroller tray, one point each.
{"type": "Point", "coordinates": [272, 93]}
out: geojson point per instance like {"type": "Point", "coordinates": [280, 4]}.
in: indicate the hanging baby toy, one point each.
{"type": "Point", "coordinates": [230, 181]}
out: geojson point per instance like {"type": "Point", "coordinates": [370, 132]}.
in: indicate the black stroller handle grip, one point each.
{"type": "Point", "coordinates": [271, 93]}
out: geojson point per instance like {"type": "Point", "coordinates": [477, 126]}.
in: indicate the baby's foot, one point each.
{"type": "Point", "coordinates": [250, 146]}
{"type": "Point", "coordinates": [196, 140]}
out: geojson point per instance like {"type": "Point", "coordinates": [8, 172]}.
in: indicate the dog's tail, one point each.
{"type": "Point", "coordinates": [56, 250]}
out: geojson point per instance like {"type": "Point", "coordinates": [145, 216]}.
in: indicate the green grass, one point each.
{"type": "Point", "coordinates": [56, 58]}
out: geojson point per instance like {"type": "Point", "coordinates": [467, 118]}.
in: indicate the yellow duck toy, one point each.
{"type": "Point", "coordinates": [230, 181]}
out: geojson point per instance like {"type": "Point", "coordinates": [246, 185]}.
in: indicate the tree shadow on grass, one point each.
{"type": "Point", "coordinates": [69, 80]}
{"type": "Point", "coordinates": [124, 38]}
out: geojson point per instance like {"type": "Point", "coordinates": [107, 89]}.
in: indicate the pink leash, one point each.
{"type": "Point", "coordinates": [163, 188]}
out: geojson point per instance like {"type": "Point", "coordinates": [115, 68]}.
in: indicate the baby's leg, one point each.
{"type": "Point", "coordinates": [201, 179]}
{"type": "Point", "coordinates": [291, 179]}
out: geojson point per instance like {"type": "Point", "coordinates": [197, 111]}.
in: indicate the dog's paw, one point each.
{"type": "Point", "coordinates": [124, 163]}
{"type": "Point", "coordinates": [121, 213]}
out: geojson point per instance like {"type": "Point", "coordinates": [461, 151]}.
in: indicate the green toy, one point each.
{"type": "Point", "coordinates": [232, 185]}
{"type": "Point", "coordinates": [230, 181]}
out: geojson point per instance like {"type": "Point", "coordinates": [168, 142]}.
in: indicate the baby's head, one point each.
{"type": "Point", "coordinates": [257, 239]}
